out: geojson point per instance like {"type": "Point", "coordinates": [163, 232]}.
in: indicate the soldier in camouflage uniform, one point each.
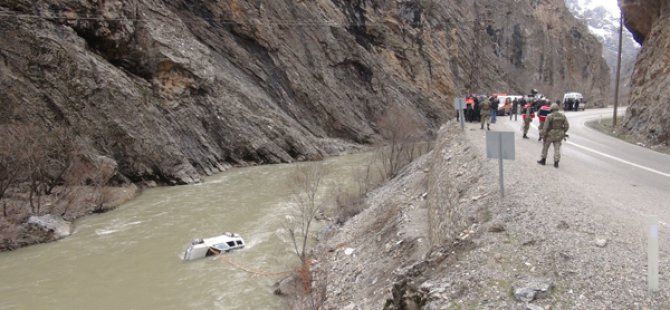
{"type": "Point", "coordinates": [555, 128]}
{"type": "Point", "coordinates": [485, 113]}
{"type": "Point", "coordinates": [527, 117]}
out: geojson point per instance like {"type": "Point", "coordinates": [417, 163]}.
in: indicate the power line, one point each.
{"type": "Point", "coordinates": [221, 20]}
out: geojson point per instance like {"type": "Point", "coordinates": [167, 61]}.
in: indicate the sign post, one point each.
{"type": "Point", "coordinates": [459, 105]}
{"type": "Point", "coordinates": [500, 145]}
{"type": "Point", "coordinates": [652, 258]}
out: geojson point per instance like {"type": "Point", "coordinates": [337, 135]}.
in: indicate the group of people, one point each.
{"type": "Point", "coordinates": [571, 104]}
{"type": "Point", "coordinates": [553, 124]}
{"type": "Point", "coordinates": [481, 109]}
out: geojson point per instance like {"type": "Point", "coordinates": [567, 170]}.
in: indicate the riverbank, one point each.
{"type": "Point", "coordinates": [69, 203]}
{"type": "Point", "coordinates": [66, 205]}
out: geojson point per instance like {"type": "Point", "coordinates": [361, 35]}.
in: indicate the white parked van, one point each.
{"type": "Point", "coordinates": [573, 96]}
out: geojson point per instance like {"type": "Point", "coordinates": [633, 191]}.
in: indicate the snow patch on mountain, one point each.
{"type": "Point", "coordinates": [602, 19]}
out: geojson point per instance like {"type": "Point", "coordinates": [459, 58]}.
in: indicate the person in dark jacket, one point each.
{"type": "Point", "coordinates": [494, 108]}
{"type": "Point", "coordinates": [515, 109]}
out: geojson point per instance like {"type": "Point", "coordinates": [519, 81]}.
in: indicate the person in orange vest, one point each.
{"type": "Point", "coordinates": [542, 114]}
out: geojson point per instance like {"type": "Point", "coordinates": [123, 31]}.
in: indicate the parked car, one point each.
{"type": "Point", "coordinates": [573, 97]}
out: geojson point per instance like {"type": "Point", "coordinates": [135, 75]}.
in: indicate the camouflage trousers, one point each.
{"type": "Point", "coordinates": [557, 149]}
{"type": "Point", "coordinates": [539, 128]}
{"type": "Point", "coordinates": [485, 118]}
{"type": "Point", "coordinates": [526, 125]}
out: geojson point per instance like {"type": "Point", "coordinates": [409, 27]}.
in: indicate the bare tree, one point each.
{"type": "Point", "coordinates": [34, 146]}
{"type": "Point", "coordinates": [62, 149]}
{"type": "Point", "coordinates": [11, 161]}
{"type": "Point", "coordinates": [403, 132]}
{"type": "Point", "coordinates": [307, 180]}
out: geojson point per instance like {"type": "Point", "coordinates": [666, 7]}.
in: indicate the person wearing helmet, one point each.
{"type": "Point", "coordinates": [555, 128]}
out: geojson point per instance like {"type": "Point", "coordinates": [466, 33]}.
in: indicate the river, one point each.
{"type": "Point", "coordinates": [130, 258]}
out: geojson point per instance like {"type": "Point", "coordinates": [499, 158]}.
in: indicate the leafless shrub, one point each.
{"type": "Point", "coordinates": [311, 293]}
{"type": "Point", "coordinates": [404, 134]}
{"type": "Point", "coordinates": [62, 149]}
{"type": "Point", "coordinates": [347, 207]}
{"type": "Point", "coordinates": [11, 161]}
{"type": "Point", "coordinates": [34, 155]}
{"type": "Point", "coordinates": [49, 167]}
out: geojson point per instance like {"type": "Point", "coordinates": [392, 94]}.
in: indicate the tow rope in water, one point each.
{"type": "Point", "coordinates": [226, 259]}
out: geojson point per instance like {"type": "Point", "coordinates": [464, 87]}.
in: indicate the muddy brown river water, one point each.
{"type": "Point", "coordinates": [130, 258]}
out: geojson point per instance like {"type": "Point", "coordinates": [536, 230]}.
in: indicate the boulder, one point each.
{"type": "Point", "coordinates": [60, 227]}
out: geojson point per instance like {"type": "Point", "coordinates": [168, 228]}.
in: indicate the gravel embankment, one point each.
{"type": "Point", "coordinates": [545, 234]}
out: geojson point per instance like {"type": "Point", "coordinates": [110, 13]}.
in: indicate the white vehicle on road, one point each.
{"type": "Point", "coordinates": [574, 96]}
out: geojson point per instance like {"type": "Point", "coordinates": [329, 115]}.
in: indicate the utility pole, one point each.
{"type": "Point", "coordinates": [618, 73]}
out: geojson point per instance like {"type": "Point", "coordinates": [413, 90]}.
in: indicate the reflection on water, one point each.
{"type": "Point", "coordinates": [130, 258]}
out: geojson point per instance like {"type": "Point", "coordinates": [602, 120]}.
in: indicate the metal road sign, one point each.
{"type": "Point", "coordinates": [459, 103]}
{"type": "Point", "coordinates": [500, 145]}
{"type": "Point", "coordinates": [500, 142]}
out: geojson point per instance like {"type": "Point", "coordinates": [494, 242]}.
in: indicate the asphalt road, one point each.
{"type": "Point", "coordinates": [630, 180]}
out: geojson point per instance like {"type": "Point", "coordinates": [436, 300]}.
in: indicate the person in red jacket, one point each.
{"type": "Point", "coordinates": [542, 114]}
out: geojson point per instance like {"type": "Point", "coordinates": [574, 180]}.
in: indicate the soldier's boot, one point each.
{"type": "Point", "coordinates": [556, 164]}
{"type": "Point", "coordinates": [543, 162]}
{"type": "Point", "coordinates": [488, 127]}
{"type": "Point", "coordinates": [524, 136]}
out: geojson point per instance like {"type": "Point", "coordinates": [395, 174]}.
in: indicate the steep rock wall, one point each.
{"type": "Point", "coordinates": [173, 90]}
{"type": "Point", "coordinates": [648, 115]}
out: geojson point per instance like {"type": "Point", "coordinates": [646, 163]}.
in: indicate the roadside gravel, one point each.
{"type": "Point", "coordinates": [546, 234]}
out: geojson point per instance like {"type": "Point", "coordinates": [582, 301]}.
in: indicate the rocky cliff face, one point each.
{"type": "Point", "coordinates": [173, 90]}
{"type": "Point", "coordinates": [603, 22]}
{"type": "Point", "coordinates": [648, 116]}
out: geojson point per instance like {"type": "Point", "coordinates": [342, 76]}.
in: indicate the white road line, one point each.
{"type": "Point", "coordinates": [667, 175]}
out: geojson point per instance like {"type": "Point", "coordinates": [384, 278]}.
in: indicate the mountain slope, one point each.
{"type": "Point", "coordinates": [172, 90]}
{"type": "Point", "coordinates": [602, 19]}
{"type": "Point", "coordinates": [107, 93]}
